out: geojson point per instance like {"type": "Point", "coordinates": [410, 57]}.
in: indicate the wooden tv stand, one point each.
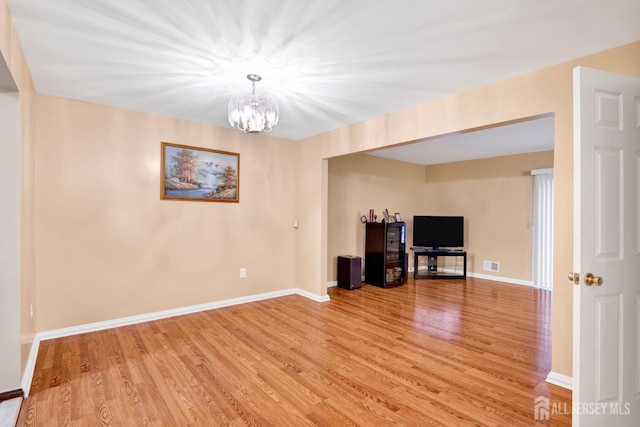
{"type": "Point", "coordinates": [432, 263]}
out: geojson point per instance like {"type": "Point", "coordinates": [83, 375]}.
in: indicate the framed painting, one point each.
{"type": "Point", "coordinates": [199, 174]}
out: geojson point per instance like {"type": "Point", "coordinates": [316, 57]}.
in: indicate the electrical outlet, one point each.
{"type": "Point", "coordinates": [243, 273]}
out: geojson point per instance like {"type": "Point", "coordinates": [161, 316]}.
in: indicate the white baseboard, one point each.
{"type": "Point", "coordinates": [560, 380]}
{"type": "Point", "coordinates": [132, 320]}
{"type": "Point", "coordinates": [310, 295]}
{"type": "Point", "coordinates": [30, 366]}
{"type": "Point", "coordinates": [501, 279]}
{"type": "Point", "coordinates": [485, 276]}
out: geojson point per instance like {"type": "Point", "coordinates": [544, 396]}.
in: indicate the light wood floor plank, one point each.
{"type": "Point", "coordinates": [431, 352]}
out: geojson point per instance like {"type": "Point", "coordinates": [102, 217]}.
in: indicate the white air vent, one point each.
{"type": "Point", "coordinates": [491, 265]}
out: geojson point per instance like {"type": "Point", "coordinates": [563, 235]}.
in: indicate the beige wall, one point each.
{"type": "Point", "coordinates": [311, 236]}
{"type": "Point", "coordinates": [361, 182]}
{"type": "Point", "coordinates": [108, 247]}
{"type": "Point", "coordinates": [495, 196]}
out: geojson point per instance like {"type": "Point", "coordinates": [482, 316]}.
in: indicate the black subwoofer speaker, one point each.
{"type": "Point", "coordinates": [349, 272]}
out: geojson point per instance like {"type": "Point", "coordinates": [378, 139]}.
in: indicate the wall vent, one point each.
{"type": "Point", "coordinates": [491, 265]}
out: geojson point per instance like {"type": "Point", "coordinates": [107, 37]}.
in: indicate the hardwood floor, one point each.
{"type": "Point", "coordinates": [430, 352]}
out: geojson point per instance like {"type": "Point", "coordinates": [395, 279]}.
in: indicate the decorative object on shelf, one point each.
{"type": "Point", "coordinates": [363, 219]}
{"type": "Point", "coordinates": [253, 113]}
{"type": "Point", "coordinates": [199, 174]}
{"type": "Point", "coordinates": [398, 218]}
{"type": "Point", "coordinates": [387, 218]}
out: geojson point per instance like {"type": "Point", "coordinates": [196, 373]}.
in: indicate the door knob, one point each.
{"type": "Point", "coordinates": [590, 279]}
{"type": "Point", "coordinates": [574, 277]}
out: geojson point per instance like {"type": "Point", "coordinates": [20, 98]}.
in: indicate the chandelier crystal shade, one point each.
{"type": "Point", "coordinates": [253, 113]}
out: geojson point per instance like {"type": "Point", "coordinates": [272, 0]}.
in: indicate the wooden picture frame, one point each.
{"type": "Point", "coordinates": [199, 174]}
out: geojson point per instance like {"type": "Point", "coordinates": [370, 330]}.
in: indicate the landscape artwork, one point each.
{"type": "Point", "coordinates": [199, 174]}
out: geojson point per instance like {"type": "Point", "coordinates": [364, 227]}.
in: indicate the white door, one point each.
{"type": "Point", "coordinates": [606, 317]}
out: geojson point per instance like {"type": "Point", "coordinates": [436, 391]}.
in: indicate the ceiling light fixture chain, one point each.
{"type": "Point", "coordinates": [253, 113]}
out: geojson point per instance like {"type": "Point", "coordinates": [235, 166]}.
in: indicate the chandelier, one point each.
{"type": "Point", "coordinates": [253, 113]}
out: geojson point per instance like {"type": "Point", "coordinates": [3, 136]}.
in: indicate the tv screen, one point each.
{"type": "Point", "coordinates": [438, 231]}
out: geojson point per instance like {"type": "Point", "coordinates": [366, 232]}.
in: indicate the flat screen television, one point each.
{"type": "Point", "coordinates": [438, 231]}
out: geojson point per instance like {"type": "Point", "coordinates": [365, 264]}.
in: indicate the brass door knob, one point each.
{"type": "Point", "coordinates": [590, 279]}
{"type": "Point", "coordinates": [574, 277]}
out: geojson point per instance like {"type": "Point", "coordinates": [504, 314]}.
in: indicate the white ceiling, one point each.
{"type": "Point", "coordinates": [330, 63]}
{"type": "Point", "coordinates": [515, 138]}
